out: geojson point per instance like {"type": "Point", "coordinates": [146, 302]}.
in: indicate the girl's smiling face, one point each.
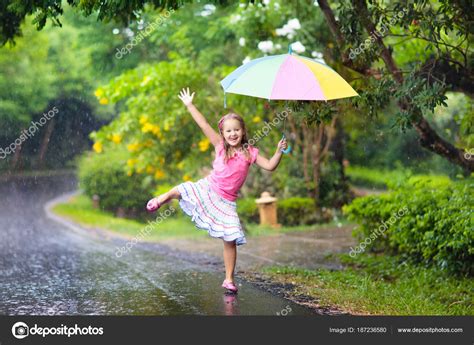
{"type": "Point", "coordinates": [232, 132]}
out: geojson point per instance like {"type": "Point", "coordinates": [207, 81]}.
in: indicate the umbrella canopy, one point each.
{"type": "Point", "coordinates": [287, 77]}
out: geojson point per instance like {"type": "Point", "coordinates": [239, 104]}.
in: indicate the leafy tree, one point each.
{"type": "Point", "coordinates": [442, 59]}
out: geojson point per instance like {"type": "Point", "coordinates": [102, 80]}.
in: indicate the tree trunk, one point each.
{"type": "Point", "coordinates": [431, 141]}
{"type": "Point", "coordinates": [337, 147]}
{"type": "Point", "coordinates": [16, 161]}
{"type": "Point", "coordinates": [306, 150]}
{"type": "Point", "coordinates": [45, 143]}
{"type": "Point", "coordinates": [321, 140]}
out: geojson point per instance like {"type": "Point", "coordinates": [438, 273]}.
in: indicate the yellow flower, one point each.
{"type": "Point", "coordinates": [166, 126]}
{"type": "Point", "coordinates": [256, 119]}
{"type": "Point", "coordinates": [133, 147]}
{"type": "Point", "coordinates": [99, 92]}
{"type": "Point", "coordinates": [147, 127]}
{"type": "Point", "coordinates": [156, 131]}
{"type": "Point", "coordinates": [129, 173]}
{"type": "Point", "coordinates": [131, 162]}
{"type": "Point", "coordinates": [159, 174]}
{"type": "Point", "coordinates": [149, 169]}
{"type": "Point", "coordinates": [180, 165]}
{"type": "Point", "coordinates": [204, 145]}
{"type": "Point", "coordinates": [143, 119]}
{"type": "Point", "coordinates": [104, 100]}
{"type": "Point", "coordinates": [149, 143]}
{"type": "Point", "coordinates": [116, 138]}
{"type": "Point", "coordinates": [186, 177]}
{"type": "Point", "coordinates": [97, 147]}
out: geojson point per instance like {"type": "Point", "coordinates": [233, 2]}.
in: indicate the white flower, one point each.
{"type": "Point", "coordinates": [115, 31]}
{"type": "Point", "coordinates": [266, 2]}
{"type": "Point", "coordinates": [210, 7]}
{"type": "Point", "coordinates": [289, 29]}
{"type": "Point", "coordinates": [294, 24]}
{"type": "Point", "coordinates": [298, 47]}
{"type": "Point", "coordinates": [282, 32]}
{"type": "Point", "coordinates": [266, 46]}
{"type": "Point", "coordinates": [208, 10]}
{"type": "Point", "coordinates": [235, 18]}
{"type": "Point", "coordinates": [278, 46]}
{"type": "Point", "coordinates": [242, 41]}
{"type": "Point", "coordinates": [318, 57]}
{"type": "Point", "coordinates": [129, 32]}
{"type": "Point", "coordinates": [244, 61]}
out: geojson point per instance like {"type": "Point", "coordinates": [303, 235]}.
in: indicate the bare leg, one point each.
{"type": "Point", "coordinates": [230, 256]}
{"type": "Point", "coordinates": [166, 197]}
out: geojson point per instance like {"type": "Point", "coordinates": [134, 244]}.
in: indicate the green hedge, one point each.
{"type": "Point", "coordinates": [105, 175]}
{"type": "Point", "coordinates": [383, 178]}
{"type": "Point", "coordinates": [426, 219]}
{"type": "Point", "coordinates": [247, 210]}
{"type": "Point", "coordinates": [296, 211]}
{"type": "Point", "coordinates": [291, 211]}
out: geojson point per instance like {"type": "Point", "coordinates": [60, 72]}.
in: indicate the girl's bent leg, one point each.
{"type": "Point", "coordinates": [166, 197]}
{"type": "Point", "coordinates": [230, 257]}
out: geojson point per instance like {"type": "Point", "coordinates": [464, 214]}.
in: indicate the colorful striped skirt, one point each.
{"type": "Point", "coordinates": [209, 211]}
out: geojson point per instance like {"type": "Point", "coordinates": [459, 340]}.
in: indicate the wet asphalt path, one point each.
{"type": "Point", "coordinates": [48, 269]}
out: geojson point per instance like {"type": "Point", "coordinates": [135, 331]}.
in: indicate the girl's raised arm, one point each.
{"type": "Point", "coordinates": [209, 132]}
{"type": "Point", "coordinates": [272, 163]}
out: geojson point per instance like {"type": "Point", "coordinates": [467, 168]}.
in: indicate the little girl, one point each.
{"type": "Point", "coordinates": [210, 202]}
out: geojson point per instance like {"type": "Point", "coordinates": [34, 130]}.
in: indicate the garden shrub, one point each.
{"type": "Point", "coordinates": [291, 211]}
{"type": "Point", "coordinates": [105, 175]}
{"type": "Point", "coordinates": [427, 219]}
{"type": "Point", "coordinates": [247, 210]}
{"type": "Point", "coordinates": [296, 211]}
{"type": "Point", "coordinates": [382, 178]}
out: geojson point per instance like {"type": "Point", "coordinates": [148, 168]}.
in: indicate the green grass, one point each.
{"type": "Point", "coordinates": [383, 285]}
{"type": "Point", "coordinates": [382, 178]}
{"type": "Point", "coordinates": [258, 230]}
{"type": "Point", "coordinates": [79, 209]}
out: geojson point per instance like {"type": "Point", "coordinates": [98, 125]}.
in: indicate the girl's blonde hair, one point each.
{"type": "Point", "coordinates": [244, 142]}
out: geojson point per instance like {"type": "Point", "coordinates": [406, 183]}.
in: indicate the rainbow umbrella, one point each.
{"type": "Point", "coordinates": [287, 77]}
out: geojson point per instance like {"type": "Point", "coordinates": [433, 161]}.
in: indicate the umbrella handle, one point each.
{"type": "Point", "coordinates": [288, 149]}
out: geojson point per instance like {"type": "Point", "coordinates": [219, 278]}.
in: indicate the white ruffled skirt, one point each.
{"type": "Point", "coordinates": [211, 212]}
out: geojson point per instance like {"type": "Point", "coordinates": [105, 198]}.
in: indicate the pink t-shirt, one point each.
{"type": "Point", "coordinates": [227, 178]}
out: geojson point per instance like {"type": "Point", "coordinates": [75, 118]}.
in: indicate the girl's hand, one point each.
{"type": "Point", "coordinates": [186, 97]}
{"type": "Point", "coordinates": [282, 144]}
